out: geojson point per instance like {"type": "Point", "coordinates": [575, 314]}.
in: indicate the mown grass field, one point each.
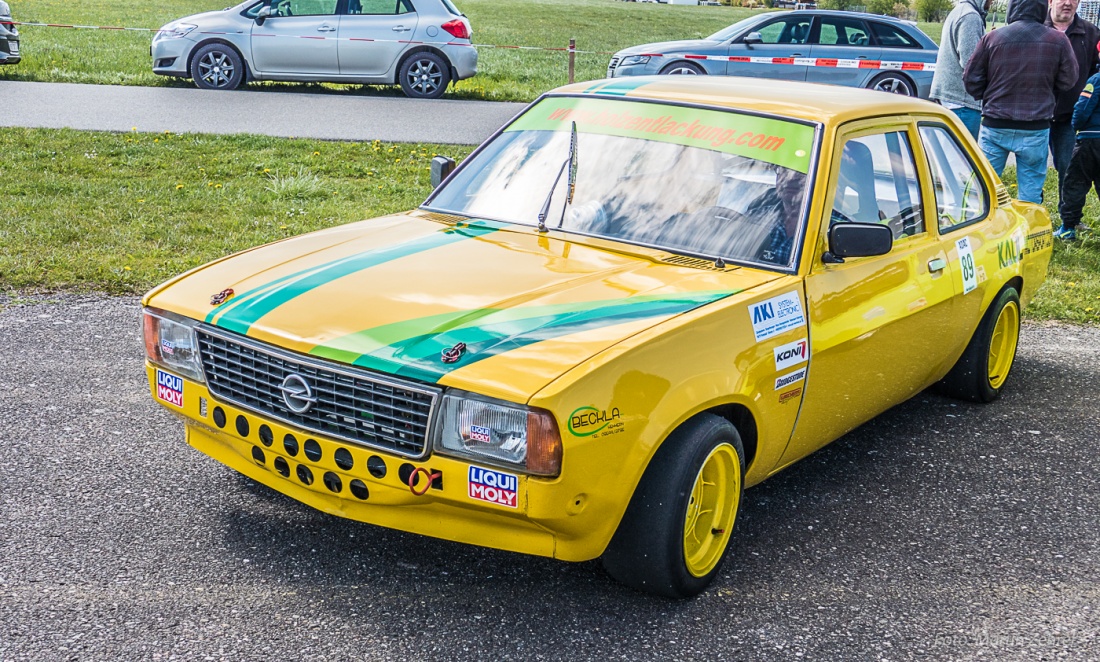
{"type": "Point", "coordinates": [89, 211]}
{"type": "Point", "coordinates": [122, 58]}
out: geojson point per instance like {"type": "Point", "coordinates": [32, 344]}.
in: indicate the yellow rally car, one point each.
{"type": "Point", "coordinates": [638, 298]}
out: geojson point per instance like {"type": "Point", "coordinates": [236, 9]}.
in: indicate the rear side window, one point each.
{"type": "Point", "coordinates": [892, 37]}
{"type": "Point", "coordinates": [837, 31]}
{"type": "Point", "coordinates": [960, 195]}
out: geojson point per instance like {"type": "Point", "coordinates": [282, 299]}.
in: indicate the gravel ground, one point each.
{"type": "Point", "coordinates": [940, 530]}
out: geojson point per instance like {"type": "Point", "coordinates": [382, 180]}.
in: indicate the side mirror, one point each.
{"type": "Point", "coordinates": [442, 167]}
{"type": "Point", "coordinates": [263, 14]}
{"type": "Point", "coordinates": [858, 240]}
{"type": "Point", "coordinates": [753, 38]}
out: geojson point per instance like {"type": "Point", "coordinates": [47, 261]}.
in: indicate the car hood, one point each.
{"type": "Point", "coordinates": [666, 47]}
{"type": "Point", "coordinates": [517, 309]}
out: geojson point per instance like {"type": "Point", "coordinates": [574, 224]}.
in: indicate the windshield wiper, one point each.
{"type": "Point", "coordinates": [571, 163]}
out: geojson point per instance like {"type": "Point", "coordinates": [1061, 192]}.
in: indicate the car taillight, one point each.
{"type": "Point", "coordinates": [457, 29]}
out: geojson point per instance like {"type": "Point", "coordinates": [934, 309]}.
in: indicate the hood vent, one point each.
{"type": "Point", "coordinates": [1003, 198]}
{"type": "Point", "coordinates": [695, 263]}
{"type": "Point", "coordinates": [449, 219]}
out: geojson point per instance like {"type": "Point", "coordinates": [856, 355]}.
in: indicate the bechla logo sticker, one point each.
{"type": "Point", "coordinates": [587, 421]}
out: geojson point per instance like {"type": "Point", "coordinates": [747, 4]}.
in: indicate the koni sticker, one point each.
{"type": "Point", "coordinates": [493, 486]}
{"type": "Point", "coordinates": [170, 388]}
{"type": "Point", "coordinates": [776, 315]}
{"type": "Point", "coordinates": [790, 378]}
{"type": "Point", "coordinates": [791, 354]}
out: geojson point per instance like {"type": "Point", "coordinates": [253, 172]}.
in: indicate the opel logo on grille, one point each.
{"type": "Point", "coordinates": [297, 394]}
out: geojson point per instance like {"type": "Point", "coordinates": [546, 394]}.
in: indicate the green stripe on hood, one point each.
{"type": "Point", "coordinates": [413, 348]}
{"type": "Point", "coordinates": [240, 313]}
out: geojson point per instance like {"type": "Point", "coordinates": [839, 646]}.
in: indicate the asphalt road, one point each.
{"type": "Point", "coordinates": [939, 530]}
{"type": "Point", "coordinates": [264, 112]}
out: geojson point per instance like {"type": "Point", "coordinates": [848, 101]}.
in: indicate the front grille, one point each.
{"type": "Point", "coordinates": [351, 405]}
{"type": "Point", "coordinates": [611, 66]}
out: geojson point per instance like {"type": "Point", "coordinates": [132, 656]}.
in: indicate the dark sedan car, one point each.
{"type": "Point", "coordinates": [842, 48]}
{"type": "Point", "coordinates": [9, 36]}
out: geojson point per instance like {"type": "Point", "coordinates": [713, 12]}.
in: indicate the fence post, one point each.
{"type": "Point", "coordinates": [572, 57]}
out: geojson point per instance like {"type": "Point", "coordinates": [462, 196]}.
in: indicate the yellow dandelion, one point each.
{"type": "Point", "coordinates": [179, 186]}
{"type": "Point", "coordinates": [209, 183]}
{"type": "Point", "coordinates": [141, 199]}
{"type": "Point", "coordinates": [126, 268]}
{"type": "Point", "coordinates": [282, 227]}
{"type": "Point", "coordinates": [1071, 284]}
{"type": "Point", "coordinates": [217, 185]}
{"type": "Point", "coordinates": [397, 160]}
{"type": "Point", "coordinates": [133, 128]}
{"type": "Point", "coordinates": [267, 170]}
{"type": "Point", "coordinates": [156, 140]}
{"type": "Point", "coordinates": [316, 153]}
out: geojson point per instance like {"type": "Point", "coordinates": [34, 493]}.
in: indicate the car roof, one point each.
{"type": "Point", "coordinates": [847, 14]}
{"type": "Point", "coordinates": [811, 102]}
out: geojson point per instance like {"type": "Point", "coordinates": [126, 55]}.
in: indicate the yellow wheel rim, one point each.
{"type": "Point", "coordinates": [1002, 346]}
{"type": "Point", "coordinates": [711, 510]}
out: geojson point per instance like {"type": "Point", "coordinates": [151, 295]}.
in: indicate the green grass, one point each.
{"type": "Point", "coordinates": [122, 58]}
{"type": "Point", "coordinates": [118, 213]}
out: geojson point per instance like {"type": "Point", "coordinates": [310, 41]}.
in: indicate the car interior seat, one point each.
{"type": "Point", "coordinates": [355, 7]}
{"type": "Point", "coordinates": [799, 33]}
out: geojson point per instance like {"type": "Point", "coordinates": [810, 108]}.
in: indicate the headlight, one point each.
{"type": "Point", "coordinates": [170, 342]}
{"type": "Point", "coordinates": [634, 59]}
{"type": "Point", "coordinates": [500, 433]}
{"type": "Point", "coordinates": [175, 30]}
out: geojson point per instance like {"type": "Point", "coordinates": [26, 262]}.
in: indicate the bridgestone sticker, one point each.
{"type": "Point", "coordinates": [791, 354]}
{"type": "Point", "coordinates": [776, 315]}
{"type": "Point", "coordinates": [792, 378]}
{"type": "Point", "coordinates": [966, 265]}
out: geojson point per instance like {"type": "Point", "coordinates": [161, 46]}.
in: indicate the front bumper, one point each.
{"type": "Point", "coordinates": [541, 523]}
{"type": "Point", "coordinates": [170, 56]}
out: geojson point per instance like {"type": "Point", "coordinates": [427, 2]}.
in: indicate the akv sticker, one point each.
{"type": "Point", "coordinates": [776, 315]}
{"type": "Point", "coordinates": [170, 388]}
{"type": "Point", "coordinates": [493, 486]}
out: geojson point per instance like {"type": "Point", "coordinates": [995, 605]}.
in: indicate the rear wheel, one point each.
{"type": "Point", "coordinates": [677, 529]}
{"type": "Point", "coordinates": [893, 83]}
{"type": "Point", "coordinates": [983, 369]}
{"type": "Point", "coordinates": [217, 67]}
{"type": "Point", "coordinates": [424, 76]}
{"type": "Point", "coordinates": [682, 69]}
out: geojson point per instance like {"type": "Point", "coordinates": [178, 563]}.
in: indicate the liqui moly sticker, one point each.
{"type": "Point", "coordinates": [478, 433]}
{"type": "Point", "coordinates": [170, 388]}
{"type": "Point", "coordinates": [776, 315]}
{"type": "Point", "coordinates": [790, 378]}
{"type": "Point", "coordinates": [493, 486]}
{"type": "Point", "coordinates": [791, 354]}
{"type": "Point", "coordinates": [966, 265]}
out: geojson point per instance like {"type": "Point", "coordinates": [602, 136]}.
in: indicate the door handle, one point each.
{"type": "Point", "coordinates": [796, 54]}
{"type": "Point", "coordinates": [326, 28]}
{"type": "Point", "coordinates": [937, 264]}
{"type": "Point", "coordinates": [401, 28]}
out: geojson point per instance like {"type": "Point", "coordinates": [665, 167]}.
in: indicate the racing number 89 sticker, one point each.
{"type": "Point", "coordinates": [966, 262]}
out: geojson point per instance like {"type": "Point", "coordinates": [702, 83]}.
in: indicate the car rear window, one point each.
{"type": "Point", "coordinates": [451, 8]}
{"type": "Point", "coordinates": [892, 37]}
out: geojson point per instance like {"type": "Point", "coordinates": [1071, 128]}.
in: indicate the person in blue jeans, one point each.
{"type": "Point", "coordinates": [1083, 172]}
{"type": "Point", "coordinates": [1015, 72]}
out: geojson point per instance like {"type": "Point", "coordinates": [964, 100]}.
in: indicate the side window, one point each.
{"type": "Point", "coordinates": [877, 183]}
{"type": "Point", "coordinates": [960, 194]}
{"type": "Point", "coordinates": [303, 7]}
{"type": "Point", "coordinates": [792, 30]}
{"type": "Point", "coordinates": [376, 7]}
{"type": "Point", "coordinates": [892, 37]}
{"type": "Point", "coordinates": [836, 31]}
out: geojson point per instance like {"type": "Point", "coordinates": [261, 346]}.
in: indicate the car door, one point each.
{"type": "Point", "coordinates": [847, 41]}
{"type": "Point", "coordinates": [875, 322]}
{"type": "Point", "coordinates": [298, 38]}
{"type": "Point", "coordinates": [371, 35]}
{"type": "Point", "coordinates": [787, 38]}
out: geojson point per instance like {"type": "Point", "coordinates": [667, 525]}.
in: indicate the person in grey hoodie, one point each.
{"type": "Point", "coordinates": [962, 30]}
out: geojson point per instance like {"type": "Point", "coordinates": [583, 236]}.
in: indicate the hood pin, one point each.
{"type": "Point", "coordinates": [221, 297]}
{"type": "Point", "coordinates": [453, 354]}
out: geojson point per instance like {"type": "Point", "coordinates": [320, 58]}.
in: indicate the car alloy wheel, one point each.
{"type": "Point", "coordinates": [893, 84]}
{"type": "Point", "coordinates": [217, 67]}
{"type": "Point", "coordinates": [681, 69]}
{"type": "Point", "coordinates": [424, 76]}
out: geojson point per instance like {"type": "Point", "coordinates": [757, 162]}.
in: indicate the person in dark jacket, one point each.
{"type": "Point", "coordinates": [1015, 72]}
{"type": "Point", "coordinates": [1083, 171]}
{"type": "Point", "coordinates": [1083, 37]}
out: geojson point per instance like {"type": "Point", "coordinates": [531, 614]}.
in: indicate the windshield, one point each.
{"type": "Point", "coordinates": [737, 28]}
{"type": "Point", "coordinates": [688, 180]}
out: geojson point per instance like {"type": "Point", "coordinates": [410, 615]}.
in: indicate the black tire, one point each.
{"type": "Point", "coordinates": [647, 551]}
{"type": "Point", "coordinates": [424, 75]}
{"type": "Point", "coordinates": [893, 83]}
{"type": "Point", "coordinates": [973, 377]}
{"type": "Point", "coordinates": [682, 69]}
{"type": "Point", "coordinates": [217, 67]}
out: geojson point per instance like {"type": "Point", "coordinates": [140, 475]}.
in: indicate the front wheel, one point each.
{"type": "Point", "coordinates": [424, 76]}
{"type": "Point", "coordinates": [217, 67]}
{"type": "Point", "coordinates": [677, 528]}
{"type": "Point", "coordinates": [682, 69]}
{"type": "Point", "coordinates": [893, 83]}
{"type": "Point", "coordinates": [983, 369]}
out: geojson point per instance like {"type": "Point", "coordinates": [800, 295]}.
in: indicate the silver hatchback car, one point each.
{"type": "Point", "coordinates": [421, 45]}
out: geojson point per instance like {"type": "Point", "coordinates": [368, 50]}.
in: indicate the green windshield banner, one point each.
{"type": "Point", "coordinates": [776, 141]}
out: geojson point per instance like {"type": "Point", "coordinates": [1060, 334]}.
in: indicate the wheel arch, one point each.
{"type": "Point", "coordinates": [740, 417]}
{"type": "Point", "coordinates": [225, 42]}
{"type": "Point", "coordinates": [682, 60]}
{"type": "Point", "coordinates": [422, 49]}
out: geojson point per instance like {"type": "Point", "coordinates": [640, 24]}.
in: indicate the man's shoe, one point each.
{"type": "Point", "coordinates": [1066, 234]}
